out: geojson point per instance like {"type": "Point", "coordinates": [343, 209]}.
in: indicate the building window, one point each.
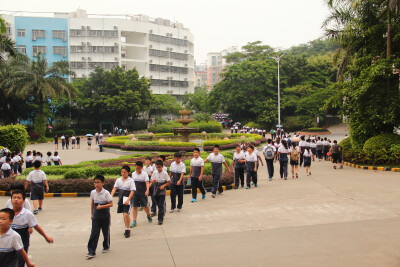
{"type": "Point", "coordinates": [76, 49]}
{"type": "Point", "coordinates": [60, 35]}
{"type": "Point", "coordinates": [78, 65]}
{"type": "Point", "coordinates": [77, 33]}
{"type": "Point", "coordinates": [38, 34]}
{"type": "Point", "coordinates": [21, 49]}
{"type": "Point", "coordinates": [21, 32]}
{"type": "Point", "coordinates": [60, 50]}
{"type": "Point", "coordinates": [94, 33]}
{"type": "Point", "coordinates": [110, 33]}
{"type": "Point", "coordinates": [8, 29]}
{"type": "Point", "coordinates": [37, 49]}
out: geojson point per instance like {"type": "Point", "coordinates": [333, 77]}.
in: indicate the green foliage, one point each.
{"type": "Point", "coordinates": [200, 117]}
{"type": "Point", "coordinates": [382, 141]}
{"type": "Point", "coordinates": [164, 104]}
{"type": "Point", "coordinates": [68, 132]}
{"type": "Point", "coordinates": [253, 125]}
{"type": "Point", "coordinates": [296, 123]}
{"type": "Point", "coordinates": [198, 101]}
{"type": "Point", "coordinates": [14, 137]}
{"type": "Point", "coordinates": [208, 127]}
{"type": "Point", "coordinates": [164, 128]}
{"type": "Point", "coordinates": [141, 143]}
{"type": "Point", "coordinates": [346, 144]}
{"type": "Point", "coordinates": [255, 136]}
{"type": "Point", "coordinates": [187, 144]}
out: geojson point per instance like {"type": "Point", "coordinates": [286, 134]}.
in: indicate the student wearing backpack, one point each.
{"type": "Point", "coordinates": [283, 152]}
{"type": "Point", "coordinates": [294, 159]}
{"type": "Point", "coordinates": [269, 152]}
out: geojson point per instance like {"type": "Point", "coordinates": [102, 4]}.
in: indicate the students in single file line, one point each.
{"type": "Point", "coordinates": [153, 200]}
{"type": "Point", "coordinates": [56, 159]}
{"type": "Point", "coordinates": [140, 197]}
{"type": "Point", "coordinates": [48, 159]}
{"type": "Point", "coordinates": [176, 172]}
{"type": "Point", "coordinates": [294, 159]}
{"type": "Point", "coordinates": [217, 160]}
{"type": "Point", "coordinates": [251, 167]}
{"type": "Point", "coordinates": [269, 152]}
{"type": "Point", "coordinates": [101, 202]}
{"type": "Point", "coordinates": [335, 150]}
{"type": "Point", "coordinates": [307, 160]}
{"type": "Point", "coordinates": [239, 166]}
{"type": "Point", "coordinates": [161, 180]}
{"type": "Point", "coordinates": [23, 220]}
{"type": "Point", "coordinates": [283, 152]}
{"type": "Point", "coordinates": [196, 175]}
{"type": "Point", "coordinates": [126, 187]}
{"type": "Point", "coordinates": [38, 180]}
{"type": "Point", "coordinates": [11, 246]}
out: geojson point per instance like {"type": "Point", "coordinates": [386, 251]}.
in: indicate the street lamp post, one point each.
{"type": "Point", "coordinates": [278, 59]}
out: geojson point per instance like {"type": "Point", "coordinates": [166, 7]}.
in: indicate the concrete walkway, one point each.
{"type": "Point", "coordinates": [346, 217]}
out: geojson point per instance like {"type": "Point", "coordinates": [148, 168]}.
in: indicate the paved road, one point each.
{"type": "Point", "coordinates": [346, 217]}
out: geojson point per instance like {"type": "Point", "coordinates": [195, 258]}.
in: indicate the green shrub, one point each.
{"type": "Point", "coordinates": [141, 143]}
{"type": "Point", "coordinates": [346, 144]}
{"type": "Point", "coordinates": [14, 137]}
{"type": "Point", "coordinates": [186, 144]}
{"type": "Point", "coordinates": [208, 127]}
{"type": "Point", "coordinates": [296, 123]}
{"type": "Point", "coordinates": [163, 134]}
{"type": "Point", "coordinates": [117, 139]}
{"type": "Point", "coordinates": [164, 128]}
{"type": "Point", "coordinates": [252, 124]}
{"type": "Point", "coordinates": [200, 116]}
{"type": "Point", "coordinates": [382, 141]}
{"type": "Point", "coordinates": [255, 136]}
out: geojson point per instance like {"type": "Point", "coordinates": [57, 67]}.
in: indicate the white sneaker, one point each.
{"type": "Point", "coordinates": [171, 210]}
{"type": "Point", "coordinates": [213, 195]}
{"type": "Point", "coordinates": [179, 210]}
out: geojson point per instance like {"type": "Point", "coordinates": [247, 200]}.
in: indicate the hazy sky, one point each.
{"type": "Point", "coordinates": [216, 24]}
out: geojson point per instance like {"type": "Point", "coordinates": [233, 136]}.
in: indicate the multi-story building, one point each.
{"type": "Point", "coordinates": [216, 64]}
{"type": "Point", "coordinates": [157, 48]}
{"type": "Point", "coordinates": [200, 75]}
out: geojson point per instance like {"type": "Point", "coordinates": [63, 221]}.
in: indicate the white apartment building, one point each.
{"type": "Point", "coordinates": [159, 49]}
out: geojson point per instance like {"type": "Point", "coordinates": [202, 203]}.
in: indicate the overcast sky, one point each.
{"type": "Point", "coordinates": [216, 24]}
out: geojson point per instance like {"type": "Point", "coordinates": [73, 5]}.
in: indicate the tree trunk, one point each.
{"type": "Point", "coordinates": [389, 36]}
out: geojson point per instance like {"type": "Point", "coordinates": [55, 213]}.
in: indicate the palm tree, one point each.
{"type": "Point", "coordinates": [37, 80]}
{"type": "Point", "coordinates": [7, 46]}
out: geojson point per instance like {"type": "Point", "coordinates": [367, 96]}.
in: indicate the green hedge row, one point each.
{"type": "Point", "coordinates": [376, 157]}
{"type": "Point", "coordinates": [382, 141]}
{"type": "Point", "coordinates": [209, 127]}
{"type": "Point", "coordinates": [255, 136]}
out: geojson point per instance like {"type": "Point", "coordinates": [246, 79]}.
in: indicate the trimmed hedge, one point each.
{"type": "Point", "coordinates": [186, 144]}
{"type": "Point", "coordinates": [346, 144]}
{"type": "Point", "coordinates": [14, 137]}
{"type": "Point", "coordinates": [382, 141]}
{"type": "Point", "coordinates": [117, 139]}
{"type": "Point", "coordinates": [255, 136]}
{"type": "Point", "coordinates": [377, 157]}
{"type": "Point", "coordinates": [141, 143]}
{"type": "Point", "coordinates": [208, 127]}
{"type": "Point", "coordinates": [156, 148]}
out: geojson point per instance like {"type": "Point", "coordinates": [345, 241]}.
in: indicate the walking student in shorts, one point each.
{"type": "Point", "coordinates": [283, 152]}
{"type": "Point", "coordinates": [141, 193]}
{"type": "Point", "coordinates": [335, 150]}
{"type": "Point", "coordinates": [239, 165]}
{"type": "Point", "coordinates": [101, 202]}
{"type": "Point", "coordinates": [161, 180]}
{"type": "Point", "coordinates": [269, 152]}
{"type": "Point", "coordinates": [217, 160]}
{"type": "Point", "coordinates": [11, 246]}
{"type": "Point", "coordinates": [23, 220]}
{"type": "Point", "coordinates": [303, 146]}
{"type": "Point", "coordinates": [196, 175]}
{"type": "Point", "coordinates": [78, 142]}
{"type": "Point", "coordinates": [294, 159]}
{"type": "Point", "coordinates": [62, 141]}
{"type": "Point", "coordinates": [73, 141]}
{"type": "Point", "coordinates": [37, 178]}
{"type": "Point", "coordinates": [176, 172]}
{"type": "Point", "coordinates": [55, 142]}
{"type": "Point", "coordinates": [126, 187]}
{"type": "Point", "coordinates": [307, 160]}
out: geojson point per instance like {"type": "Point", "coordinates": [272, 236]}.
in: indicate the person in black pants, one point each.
{"type": "Point", "coordinates": [67, 141]}
{"type": "Point", "coordinates": [160, 179]}
{"type": "Point", "coordinates": [270, 156]}
{"type": "Point", "coordinates": [177, 170]}
{"type": "Point", "coordinates": [239, 164]}
{"type": "Point", "coordinates": [100, 211]}
{"type": "Point", "coordinates": [196, 175]}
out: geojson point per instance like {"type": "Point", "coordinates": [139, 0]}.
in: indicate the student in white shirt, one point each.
{"type": "Point", "coordinates": [28, 160]}
{"type": "Point", "coordinates": [38, 180]}
{"type": "Point", "coordinates": [176, 172]}
{"type": "Point", "coordinates": [294, 159]}
{"type": "Point", "coordinates": [56, 159]}
{"type": "Point", "coordinates": [319, 148]}
{"type": "Point", "coordinates": [283, 152]}
{"type": "Point", "coordinates": [161, 180]}
{"type": "Point", "coordinates": [48, 159]}
{"type": "Point", "coordinates": [302, 146]}
{"type": "Point", "coordinates": [17, 186]}
{"type": "Point", "coordinates": [217, 160]}
{"type": "Point", "coordinates": [313, 146]}
{"type": "Point", "coordinates": [73, 141]}
{"type": "Point", "coordinates": [140, 197]}
{"type": "Point", "coordinates": [307, 160]}
{"type": "Point", "coordinates": [62, 141]}
{"type": "Point", "coordinates": [251, 164]}
{"type": "Point", "coordinates": [196, 175]}
{"type": "Point", "coordinates": [269, 152]}
{"type": "Point", "coordinates": [6, 168]}
{"type": "Point", "coordinates": [239, 166]}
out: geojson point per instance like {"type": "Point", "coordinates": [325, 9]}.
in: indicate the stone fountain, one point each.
{"type": "Point", "coordinates": [185, 131]}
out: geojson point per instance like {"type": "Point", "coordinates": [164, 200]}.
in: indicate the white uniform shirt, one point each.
{"type": "Point", "coordinates": [163, 168]}
{"type": "Point", "coordinates": [282, 149]}
{"type": "Point", "coordinates": [149, 169]}
{"type": "Point", "coordinates": [3, 159]}
{"type": "Point", "coordinates": [26, 205]}
{"type": "Point", "coordinates": [56, 158]}
{"type": "Point", "coordinates": [104, 197]}
{"type": "Point", "coordinates": [142, 177]}
{"type": "Point", "coordinates": [29, 159]}
{"type": "Point", "coordinates": [177, 168]}
{"type": "Point", "coordinates": [38, 158]}
{"type": "Point", "coordinates": [5, 167]}
{"type": "Point", "coordinates": [10, 241]}
{"type": "Point", "coordinates": [160, 177]}
{"type": "Point", "coordinates": [36, 176]}
{"type": "Point", "coordinates": [252, 157]}
{"type": "Point", "coordinates": [24, 219]}
{"type": "Point", "coordinates": [128, 184]}
{"type": "Point", "coordinates": [48, 159]}
{"type": "Point", "coordinates": [197, 162]}
{"type": "Point", "coordinates": [313, 145]}
{"type": "Point", "coordinates": [237, 156]}
{"type": "Point", "coordinates": [307, 154]}
{"type": "Point", "coordinates": [216, 158]}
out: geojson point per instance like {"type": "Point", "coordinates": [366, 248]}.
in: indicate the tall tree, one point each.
{"type": "Point", "coordinates": [7, 46]}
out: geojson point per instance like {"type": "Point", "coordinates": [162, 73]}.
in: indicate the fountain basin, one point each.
{"type": "Point", "coordinates": [185, 132]}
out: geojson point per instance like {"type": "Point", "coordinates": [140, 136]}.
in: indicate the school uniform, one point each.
{"type": "Point", "coordinates": [101, 220]}
{"type": "Point", "coordinates": [283, 161]}
{"type": "Point", "coordinates": [313, 147]}
{"type": "Point", "coordinates": [293, 161]}
{"type": "Point", "coordinates": [21, 224]}
{"type": "Point", "coordinates": [216, 171]}
{"type": "Point", "coordinates": [6, 168]}
{"type": "Point", "coordinates": [319, 149]}
{"type": "Point", "coordinates": [15, 164]}
{"type": "Point", "coordinates": [149, 170]}
{"type": "Point", "coordinates": [139, 198]}
{"type": "Point", "coordinates": [10, 245]}
{"type": "Point", "coordinates": [124, 189]}
{"type": "Point", "coordinates": [55, 140]}
{"type": "Point", "coordinates": [48, 161]}
{"type": "Point", "coordinates": [326, 147]}
{"type": "Point", "coordinates": [63, 141]}
{"type": "Point", "coordinates": [73, 140]}
{"type": "Point", "coordinates": [78, 141]}
{"type": "Point", "coordinates": [161, 178]}
{"type": "Point", "coordinates": [303, 146]}
{"type": "Point", "coordinates": [37, 178]}
{"type": "Point", "coordinates": [153, 200]}
{"type": "Point", "coordinates": [38, 158]}
{"type": "Point", "coordinates": [196, 165]}
{"type": "Point", "coordinates": [26, 205]}
{"type": "Point", "coordinates": [97, 138]}
{"type": "Point", "coordinates": [269, 152]}
{"type": "Point", "coordinates": [250, 166]}
{"type": "Point", "coordinates": [28, 161]}
{"type": "Point", "coordinates": [177, 190]}
{"type": "Point", "coordinates": [56, 160]}
{"type": "Point", "coordinates": [335, 153]}
{"type": "Point", "coordinates": [239, 168]}
{"type": "Point", "coordinates": [307, 158]}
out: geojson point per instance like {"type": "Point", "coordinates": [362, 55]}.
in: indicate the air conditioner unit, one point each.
{"type": "Point", "coordinates": [83, 58]}
{"type": "Point", "coordinates": [186, 51]}
{"type": "Point", "coordinates": [88, 27]}
{"type": "Point", "coordinates": [151, 61]}
{"type": "Point", "coordinates": [88, 43]}
{"type": "Point", "coordinates": [116, 58]}
{"type": "Point", "coordinates": [89, 58]}
{"type": "Point", "coordinates": [185, 37]}
{"type": "Point", "coordinates": [83, 43]}
{"type": "Point", "coordinates": [83, 28]}
{"type": "Point", "coordinates": [115, 27]}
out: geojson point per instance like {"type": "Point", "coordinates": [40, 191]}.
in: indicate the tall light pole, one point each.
{"type": "Point", "coordinates": [278, 59]}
